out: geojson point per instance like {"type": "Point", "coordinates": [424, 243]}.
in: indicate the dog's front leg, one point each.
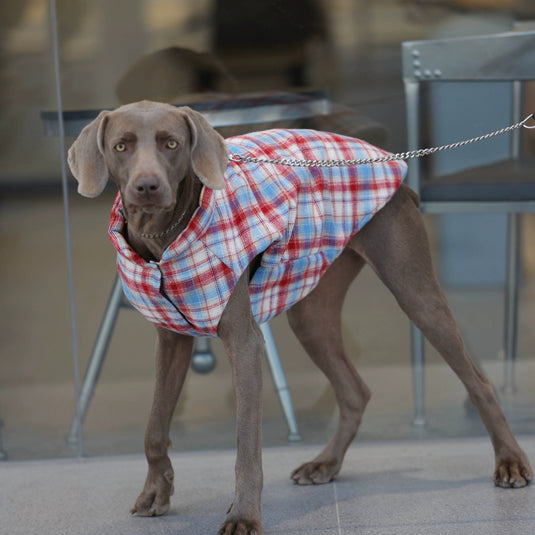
{"type": "Point", "coordinates": [173, 354]}
{"type": "Point", "coordinates": [244, 344]}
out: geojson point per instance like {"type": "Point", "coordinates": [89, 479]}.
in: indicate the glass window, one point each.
{"type": "Point", "coordinates": [216, 54]}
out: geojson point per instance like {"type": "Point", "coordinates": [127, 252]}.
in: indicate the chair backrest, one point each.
{"type": "Point", "coordinates": [501, 57]}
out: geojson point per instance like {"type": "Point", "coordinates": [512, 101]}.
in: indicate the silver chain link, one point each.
{"type": "Point", "coordinates": [391, 157]}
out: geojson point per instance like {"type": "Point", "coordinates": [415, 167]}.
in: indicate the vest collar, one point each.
{"type": "Point", "coordinates": [197, 226]}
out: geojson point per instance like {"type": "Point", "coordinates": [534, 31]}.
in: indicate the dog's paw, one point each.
{"type": "Point", "coordinates": [315, 473]}
{"type": "Point", "coordinates": [240, 527]}
{"type": "Point", "coordinates": [513, 472]}
{"type": "Point", "coordinates": [155, 498]}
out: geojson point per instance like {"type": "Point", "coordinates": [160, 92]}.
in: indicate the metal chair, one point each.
{"type": "Point", "coordinates": [506, 186]}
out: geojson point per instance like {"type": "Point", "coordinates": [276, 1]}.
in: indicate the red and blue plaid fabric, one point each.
{"type": "Point", "coordinates": [299, 219]}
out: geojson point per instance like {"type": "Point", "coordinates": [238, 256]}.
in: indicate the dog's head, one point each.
{"type": "Point", "coordinates": [147, 148]}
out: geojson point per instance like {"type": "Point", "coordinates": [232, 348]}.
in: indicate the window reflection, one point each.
{"type": "Point", "coordinates": [179, 51]}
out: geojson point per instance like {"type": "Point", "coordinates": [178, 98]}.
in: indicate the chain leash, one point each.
{"type": "Point", "coordinates": [391, 157]}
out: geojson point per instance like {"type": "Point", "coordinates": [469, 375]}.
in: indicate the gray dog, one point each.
{"type": "Point", "coordinates": [213, 246]}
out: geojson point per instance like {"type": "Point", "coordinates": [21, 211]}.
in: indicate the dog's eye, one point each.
{"type": "Point", "coordinates": [120, 147]}
{"type": "Point", "coordinates": [172, 144]}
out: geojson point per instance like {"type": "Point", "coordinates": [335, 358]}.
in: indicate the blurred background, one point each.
{"type": "Point", "coordinates": [182, 51]}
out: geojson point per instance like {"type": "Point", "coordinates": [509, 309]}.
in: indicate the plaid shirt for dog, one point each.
{"type": "Point", "coordinates": [299, 219]}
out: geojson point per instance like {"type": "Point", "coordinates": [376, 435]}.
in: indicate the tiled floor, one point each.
{"type": "Point", "coordinates": [401, 488]}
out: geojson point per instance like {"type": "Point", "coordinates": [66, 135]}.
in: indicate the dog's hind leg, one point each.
{"type": "Point", "coordinates": [395, 244]}
{"type": "Point", "coordinates": [316, 321]}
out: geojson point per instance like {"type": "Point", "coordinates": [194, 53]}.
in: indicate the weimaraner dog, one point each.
{"type": "Point", "coordinates": [177, 183]}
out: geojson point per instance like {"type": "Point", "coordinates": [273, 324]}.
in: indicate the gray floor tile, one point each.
{"type": "Point", "coordinates": [428, 487]}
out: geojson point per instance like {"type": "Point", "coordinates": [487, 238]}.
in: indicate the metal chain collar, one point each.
{"type": "Point", "coordinates": [391, 157]}
{"type": "Point", "coordinates": [160, 234]}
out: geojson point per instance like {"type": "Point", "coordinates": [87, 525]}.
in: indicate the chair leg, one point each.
{"type": "Point", "coordinates": [418, 375]}
{"type": "Point", "coordinates": [279, 380]}
{"type": "Point", "coordinates": [2, 453]}
{"type": "Point", "coordinates": [511, 301]}
{"type": "Point", "coordinates": [203, 361]}
{"type": "Point", "coordinates": [97, 359]}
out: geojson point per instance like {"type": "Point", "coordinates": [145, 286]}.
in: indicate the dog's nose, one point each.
{"type": "Point", "coordinates": [147, 186]}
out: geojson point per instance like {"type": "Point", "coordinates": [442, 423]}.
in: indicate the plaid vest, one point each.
{"type": "Point", "coordinates": [299, 219]}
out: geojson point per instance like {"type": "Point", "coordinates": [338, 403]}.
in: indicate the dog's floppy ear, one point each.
{"type": "Point", "coordinates": [86, 158]}
{"type": "Point", "coordinates": [209, 152]}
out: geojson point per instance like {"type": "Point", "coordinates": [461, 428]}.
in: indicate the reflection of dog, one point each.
{"type": "Point", "coordinates": [167, 163]}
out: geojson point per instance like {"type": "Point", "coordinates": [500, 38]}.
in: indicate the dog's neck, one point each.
{"type": "Point", "coordinates": [149, 234]}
